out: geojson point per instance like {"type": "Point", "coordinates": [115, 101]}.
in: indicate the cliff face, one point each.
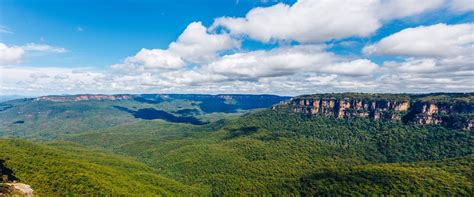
{"type": "Point", "coordinates": [84, 97]}
{"type": "Point", "coordinates": [452, 114]}
{"type": "Point", "coordinates": [455, 114]}
{"type": "Point", "coordinates": [346, 108]}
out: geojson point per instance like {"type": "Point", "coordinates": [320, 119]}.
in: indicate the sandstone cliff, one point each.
{"type": "Point", "coordinates": [453, 110]}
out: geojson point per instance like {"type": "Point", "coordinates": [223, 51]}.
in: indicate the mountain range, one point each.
{"type": "Point", "coordinates": [228, 145]}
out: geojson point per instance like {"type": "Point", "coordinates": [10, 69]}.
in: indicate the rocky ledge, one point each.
{"type": "Point", "coordinates": [455, 110]}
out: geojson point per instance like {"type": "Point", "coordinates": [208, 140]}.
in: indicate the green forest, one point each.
{"type": "Point", "coordinates": [263, 152]}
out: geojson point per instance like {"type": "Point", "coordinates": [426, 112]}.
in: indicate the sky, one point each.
{"type": "Point", "coordinates": [236, 46]}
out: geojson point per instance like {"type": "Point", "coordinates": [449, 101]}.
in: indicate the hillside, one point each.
{"type": "Point", "coordinates": [435, 178]}
{"type": "Point", "coordinates": [51, 117]}
{"type": "Point", "coordinates": [276, 151]}
{"type": "Point", "coordinates": [64, 168]}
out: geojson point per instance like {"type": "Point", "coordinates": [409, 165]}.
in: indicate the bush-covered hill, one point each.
{"type": "Point", "coordinates": [64, 168]}
{"type": "Point", "coordinates": [265, 152]}
{"type": "Point", "coordinates": [51, 117]}
{"type": "Point", "coordinates": [281, 153]}
{"type": "Point", "coordinates": [428, 178]}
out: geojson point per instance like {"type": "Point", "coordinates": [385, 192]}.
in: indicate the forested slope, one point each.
{"type": "Point", "coordinates": [63, 168]}
{"type": "Point", "coordinates": [265, 152]}
{"type": "Point", "coordinates": [281, 153]}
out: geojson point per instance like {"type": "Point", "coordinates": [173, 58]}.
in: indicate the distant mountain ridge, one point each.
{"type": "Point", "coordinates": [84, 97]}
{"type": "Point", "coordinates": [209, 103]}
{"type": "Point", "coordinates": [51, 116]}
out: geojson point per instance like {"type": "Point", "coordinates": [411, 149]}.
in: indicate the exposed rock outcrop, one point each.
{"type": "Point", "coordinates": [347, 107]}
{"type": "Point", "coordinates": [418, 109]}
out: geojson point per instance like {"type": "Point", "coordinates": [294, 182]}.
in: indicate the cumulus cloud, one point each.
{"type": "Point", "coordinates": [317, 21]}
{"type": "Point", "coordinates": [392, 9]}
{"type": "Point", "coordinates": [197, 46]}
{"type": "Point", "coordinates": [156, 59]}
{"type": "Point", "coordinates": [276, 62]}
{"type": "Point", "coordinates": [34, 80]}
{"type": "Point", "coordinates": [10, 54]}
{"type": "Point", "coordinates": [261, 71]}
{"type": "Point", "coordinates": [435, 40]}
{"type": "Point", "coordinates": [194, 46]}
{"type": "Point", "coordinates": [461, 6]}
{"type": "Point", "coordinates": [210, 60]}
{"type": "Point", "coordinates": [287, 61]}
{"type": "Point", "coordinates": [436, 58]}
{"type": "Point", "coordinates": [312, 68]}
{"type": "Point", "coordinates": [431, 65]}
{"type": "Point", "coordinates": [357, 67]}
{"type": "Point", "coordinates": [459, 81]}
{"type": "Point", "coordinates": [14, 54]}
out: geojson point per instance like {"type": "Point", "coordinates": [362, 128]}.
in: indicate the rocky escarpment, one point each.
{"type": "Point", "coordinates": [455, 111]}
{"type": "Point", "coordinates": [452, 114]}
{"type": "Point", "coordinates": [83, 97]}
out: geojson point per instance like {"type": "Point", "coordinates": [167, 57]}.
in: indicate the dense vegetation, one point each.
{"type": "Point", "coordinates": [393, 179]}
{"type": "Point", "coordinates": [275, 152]}
{"type": "Point", "coordinates": [65, 168]}
{"type": "Point", "coordinates": [43, 119]}
{"type": "Point", "coordinates": [432, 97]}
{"type": "Point", "coordinates": [373, 140]}
{"type": "Point", "coordinates": [359, 96]}
{"type": "Point", "coordinates": [265, 152]}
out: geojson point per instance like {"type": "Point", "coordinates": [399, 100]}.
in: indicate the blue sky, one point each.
{"type": "Point", "coordinates": [111, 30]}
{"type": "Point", "coordinates": [254, 46]}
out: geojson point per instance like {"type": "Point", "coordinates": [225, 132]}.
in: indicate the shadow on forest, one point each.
{"type": "Point", "coordinates": [152, 114]}
{"type": "Point", "coordinates": [6, 171]}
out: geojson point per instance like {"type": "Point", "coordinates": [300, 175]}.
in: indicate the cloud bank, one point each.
{"type": "Point", "coordinates": [214, 59]}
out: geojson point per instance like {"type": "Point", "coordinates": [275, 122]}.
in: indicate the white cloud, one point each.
{"type": "Point", "coordinates": [431, 65]}
{"type": "Point", "coordinates": [202, 60]}
{"type": "Point", "coordinates": [435, 40]}
{"type": "Point", "coordinates": [264, 71]}
{"type": "Point", "coordinates": [197, 46]}
{"type": "Point", "coordinates": [43, 48]}
{"type": "Point", "coordinates": [318, 21]}
{"type": "Point", "coordinates": [392, 9]}
{"type": "Point", "coordinates": [461, 5]}
{"type": "Point", "coordinates": [156, 59]}
{"type": "Point", "coordinates": [194, 46]}
{"type": "Point", "coordinates": [5, 30]}
{"type": "Point", "coordinates": [10, 54]}
{"type": "Point", "coordinates": [35, 80]}
{"type": "Point", "coordinates": [288, 61]}
{"type": "Point", "coordinates": [357, 67]}
{"type": "Point", "coordinates": [415, 66]}
{"type": "Point", "coordinates": [437, 58]}
{"type": "Point", "coordinates": [276, 62]}
{"type": "Point", "coordinates": [456, 81]}
{"type": "Point", "coordinates": [14, 54]}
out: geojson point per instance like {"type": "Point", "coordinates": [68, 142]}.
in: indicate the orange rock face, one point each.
{"type": "Point", "coordinates": [416, 112]}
